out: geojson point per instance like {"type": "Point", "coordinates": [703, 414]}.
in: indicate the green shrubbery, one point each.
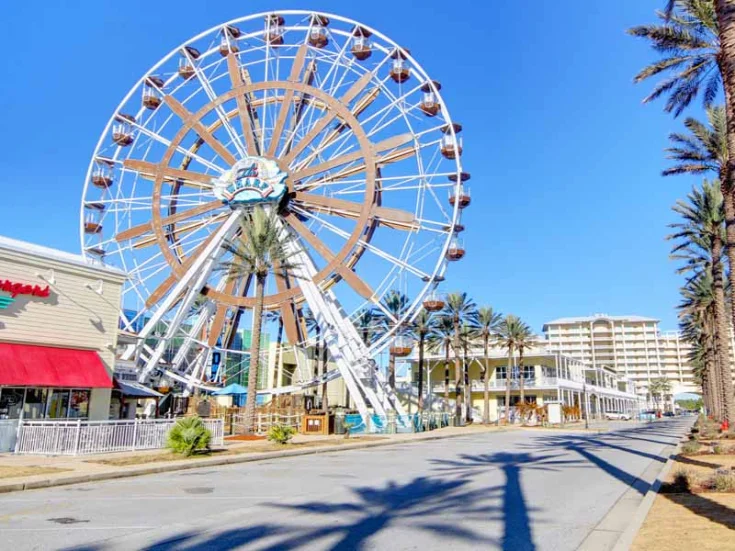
{"type": "Point", "coordinates": [189, 435]}
{"type": "Point", "coordinates": [723, 483]}
{"type": "Point", "coordinates": [690, 448]}
{"type": "Point", "coordinates": [281, 433]}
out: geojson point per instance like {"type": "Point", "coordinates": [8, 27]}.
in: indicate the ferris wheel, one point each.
{"type": "Point", "coordinates": [321, 119]}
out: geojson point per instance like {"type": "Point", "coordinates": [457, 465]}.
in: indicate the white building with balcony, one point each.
{"type": "Point", "coordinates": [545, 377]}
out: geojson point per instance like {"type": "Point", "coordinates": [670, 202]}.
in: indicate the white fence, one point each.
{"type": "Point", "coordinates": [264, 421]}
{"type": "Point", "coordinates": [89, 437]}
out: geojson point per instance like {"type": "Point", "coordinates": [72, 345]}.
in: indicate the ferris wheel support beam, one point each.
{"type": "Point", "coordinates": [189, 285]}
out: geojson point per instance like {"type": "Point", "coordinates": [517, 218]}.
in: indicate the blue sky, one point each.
{"type": "Point", "coordinates": [569, 209]}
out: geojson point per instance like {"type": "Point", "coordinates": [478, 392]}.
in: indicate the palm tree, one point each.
{"type": "Point", "coordinates": [261, 250]}
{"type": "Point", "coordinates": [396, 304]}
{"type": "Point", "coordinates": [367, 325]}
{"type": "Point", "coordinates": [658, 388]}
{"type": "Point", "coordinates": [511, 331]}
{"type": "Point", "coordinates": [422, 328]}
{"type": "Point", "coordinates": [697, 324]}
{"type": "Point", "coordinates": [469, 334]}
{"type": "Point", "coordinates": [442, 339]}
{"type": "Point", "coordinates": [526, 339]}
{"type": "Point", "coordinates": [700, 238]}
{"type": "Point", "coordinates": [488, 321]}
{"type": "Point", "coordinates": [460, 309]}
{"type": "Point", "coordinates": [687, 37]}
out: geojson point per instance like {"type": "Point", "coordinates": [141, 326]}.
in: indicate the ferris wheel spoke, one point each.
{"type": "Point", "coordinates": [393, 218]}
{"type": "Point", "coordinates": [189, 119]}
{"type": "Point", "coordinates": [390, 143]}
{"type": "Point", "coordinates": [149, 171]}
{"type": "Point", "coordinates": [137, 231]}
{"type": "Point", "coordinates": [159, 292]}
{"type": "Point", "coordinates": [330, 115]}
{"type": "Point", "coordinates": [296, 68]}
{"type": "Point", "coordinates": [178, 231]}
{"type": "Point", "coordinates": [350, 277]}
{"type": "Point", "coordinates": [244, 107]}
{"type": "Point", "coordinates": [363, 103]}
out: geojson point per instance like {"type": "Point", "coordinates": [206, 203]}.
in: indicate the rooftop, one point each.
{"type": "Point", "coordinates": [595, 317]}
{"type": "Point", "coordinates": [47, 253]}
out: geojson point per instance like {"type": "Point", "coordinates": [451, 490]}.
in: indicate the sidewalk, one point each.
{"type": "Point", "coordinates": [27, 472]}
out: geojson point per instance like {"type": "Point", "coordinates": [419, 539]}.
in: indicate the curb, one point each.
{"type": "Point", "coordinates": [214, 462]}
{"type": "Point", "coordinates": [626, 539]}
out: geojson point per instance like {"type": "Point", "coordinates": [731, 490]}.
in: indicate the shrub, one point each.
{"type": "Point", "coordinates": [690, 448]}
{"type": "Point", "coordinates": [188, 435]}
{"type": "Point", "coordinates": [281, 433]}
{"type": "Point", "coordinates": [717, 449]}
{"type": "Point", "coordinates": [723, 482]}
{"type": "Point", "coordinates": [348, 428]}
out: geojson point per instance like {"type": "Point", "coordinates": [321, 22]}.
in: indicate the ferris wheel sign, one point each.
{"type": "Point", "coordinates": [251, 180]}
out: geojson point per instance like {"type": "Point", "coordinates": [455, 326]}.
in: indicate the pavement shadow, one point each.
{"type": "Point", "coordinates": [421, 504]}
{"type": "Point", "coordinates": [517, 533]}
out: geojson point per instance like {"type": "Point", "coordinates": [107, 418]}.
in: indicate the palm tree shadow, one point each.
{"type": "Point", "coordinates": [517, 533]}
{"type": "Point", "coordinates": [419, 504]}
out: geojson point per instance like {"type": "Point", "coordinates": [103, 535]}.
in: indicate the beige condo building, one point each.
{"type": "Point", "coordinates": [632, 346]}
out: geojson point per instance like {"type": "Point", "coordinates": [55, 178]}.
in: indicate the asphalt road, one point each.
{"type": "Point", "coordinates": [516, 490]}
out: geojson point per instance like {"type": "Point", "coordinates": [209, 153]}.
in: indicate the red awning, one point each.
{"type": "Point", "coordinates": [30, 365]}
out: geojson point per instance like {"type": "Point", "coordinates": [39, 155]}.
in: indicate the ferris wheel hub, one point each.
{"type": "Point", "coordinates": [251, 180]}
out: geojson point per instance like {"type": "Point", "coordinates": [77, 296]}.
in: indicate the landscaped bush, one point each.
{"type": "Point", "coordinates": [189, 435]}
{"type": "Point", "coordinates": [717, 449]}
{"type": "Point", "coordinates": [281, 433]}
{"type": "Point", "coordinates": [723, 482]}
{"type": "Point", "coordinates": [690, 448]}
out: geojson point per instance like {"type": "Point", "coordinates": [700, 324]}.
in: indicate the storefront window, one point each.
{"type": "Point", "coordinates": [11, 403]}
{"type": "Point", "coordinates": [35, 406]}
{"type": "Point", "coordinates": [58, 403]}
{"type": "Point", "coordinates": [79, 406]}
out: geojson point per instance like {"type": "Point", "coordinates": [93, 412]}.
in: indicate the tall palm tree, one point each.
{"type": "Point", "coordinates": [511, 331]}
{"type": "Point", "coordinates": [687, 37]}
{"type": "Point", "coordinates": [488, 322]}
{"type": "Point", "coordinates": [261, 250]}
{"type": "Point", "coordinates": [469, 334]}
{"type": "Point", "coordinates": [460, 309]}
{"type": "Point", "coordinates": [700, 238]}
{"type": "Point", "coordinates": [422, 328]}
{"type": "Point", "coordinates": [697, 324]}
{"type": "Point", "coordinates": [396, 304]}
{"type": "Point", "coordinates": [442, 339]}
{"type": "Point", "coordinates": [367, 323]}
{"type": "Point", "coordinates": [526, 339]}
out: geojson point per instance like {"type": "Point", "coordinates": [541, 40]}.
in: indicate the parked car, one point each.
{"type": "Point", "coordinates": [669, 414]}
{"type": "Point", "coordinates": [617, 416]}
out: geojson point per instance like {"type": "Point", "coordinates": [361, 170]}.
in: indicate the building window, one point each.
{"type": "Point", "coordinates": [11, 403]}
{"type": "Point", "coordinates": [35, 406]}
{"type": "Point", "coordinates": [79, 404]}
{"type": "Point", "coordinates": [529, 372]}
{"type": "Point", "coordinates": [58, 403]}
{"type": "Point", "coordinates": [500, 372]}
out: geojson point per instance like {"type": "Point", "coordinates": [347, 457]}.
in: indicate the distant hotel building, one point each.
{"type": "Point", "coordinates": [632, 346]}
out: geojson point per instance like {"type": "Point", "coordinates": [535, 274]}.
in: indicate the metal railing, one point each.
{"type": "Point", "coordinates": [92, 437]}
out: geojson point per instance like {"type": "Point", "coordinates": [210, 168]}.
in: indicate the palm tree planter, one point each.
{"type": "Point", "coordinates": [261, 250]}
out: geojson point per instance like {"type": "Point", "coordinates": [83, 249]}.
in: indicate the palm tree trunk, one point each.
{"type": "Point", "coordinates": [392, 371]}
{"type": "Point", "coordinates": [521, 379]}
{"type": "Point", "coordinates": [458, 390]}
{"type": "Point", "coordinates": [722, 335]}
{"type": "Point", "coordinates": [726, 24]}
{"type": "Point", "coordinates": [254, 355]}
{"type": "Point", "coordinates": [420, 399]}
{"type": "Point", "coordinates": [507, 385]}
{"type": "Point", "coordinates": [486, 385]}
{"type": "Point", "coordinates": [446, 378]}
